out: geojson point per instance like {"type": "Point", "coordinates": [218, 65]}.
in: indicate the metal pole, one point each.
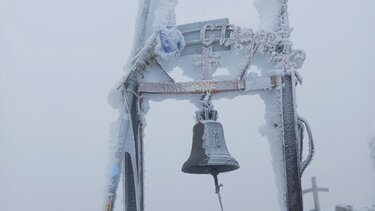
{"type": "Point", "coordinates": [292, 164]}
{"type": "Point", "coordinates": [131, 185]}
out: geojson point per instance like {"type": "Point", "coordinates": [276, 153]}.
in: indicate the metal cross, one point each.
{"type": "Point", "coordinates": [314, 189]}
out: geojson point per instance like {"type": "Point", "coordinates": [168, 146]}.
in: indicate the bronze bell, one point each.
{"type": "Point", "coordinates": [209, 153]}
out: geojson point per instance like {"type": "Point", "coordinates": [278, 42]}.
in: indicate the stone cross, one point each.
{"type": "Point", "coordinates": [314, 189]}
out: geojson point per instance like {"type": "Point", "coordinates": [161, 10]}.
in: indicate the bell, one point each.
{"type": "Point", "coordinates": [209, 153]}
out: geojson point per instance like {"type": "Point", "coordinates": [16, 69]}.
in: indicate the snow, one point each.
{"type": "Point", "coordinates": [120, 130]}
{"type": "Point", "coordinates": [140, 30]}
{"type": "Point", "coordinates": [115, 98]}
{"type": "Point", "coordinates": [269, 11]}
{"type": "Point", "coordinates": [273, 131]}
{"type": "Point", "coordinates": [161, 14]}
{"type": "Point", "coordinates": [170, 43]}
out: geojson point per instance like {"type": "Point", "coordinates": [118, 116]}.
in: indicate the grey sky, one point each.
{"type": "Point", "coordinates": [58, 60]}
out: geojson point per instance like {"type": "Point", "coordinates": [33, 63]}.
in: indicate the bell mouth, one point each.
{"type": "Point", "coordinates": [210, 168]}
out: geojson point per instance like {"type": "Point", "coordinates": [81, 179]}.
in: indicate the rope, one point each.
{"type": "Point", "coordinates": [221, 203]}
{"type": "Point", "coordinates": [217, 190]}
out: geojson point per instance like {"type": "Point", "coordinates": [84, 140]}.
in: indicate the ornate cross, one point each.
{"type": "Point", "coordinates": [206, 61]}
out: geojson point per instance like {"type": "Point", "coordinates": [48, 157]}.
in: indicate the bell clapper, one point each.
{"type": "Point", "coordinates": [217, 189]}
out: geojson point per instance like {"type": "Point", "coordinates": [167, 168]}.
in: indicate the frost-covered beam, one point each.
{"type": "Point", "coordinates": [247, 84]}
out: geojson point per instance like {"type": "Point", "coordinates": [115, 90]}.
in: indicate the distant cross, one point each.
{"type": "Point", "coordinates": [314, 189]}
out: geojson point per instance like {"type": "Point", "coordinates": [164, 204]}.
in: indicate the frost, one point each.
{"type": "Point", "coordinates": [139, 31]}
{"type": "Point", "coordinates": [269, 11]}
{"type": "Point", "coordinates": [120, 131]}
{"type": "Point", "coordinates": [273, 131]}
{"type": "Point", "coordinates": [114, 167]}
{"type": "Point", "coordinates": [161, 14]}
{"type": "Point", "coordinates": [221, 72]}
{"type": "Point", "coordinates": [115, 98]}
{"type": "Point", "coordinates": [273, 16]}
{"type": "Point", "coordinates": [170, 43]}
{"type": "Point", "coordinates": [271, 45]}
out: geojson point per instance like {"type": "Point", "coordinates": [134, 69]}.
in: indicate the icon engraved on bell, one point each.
{"type": "Point", "coordinates": [214, 138]}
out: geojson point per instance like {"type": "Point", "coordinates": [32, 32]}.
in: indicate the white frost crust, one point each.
{"type": "Point", "coordinates": [174, 41]}
{"type": "Point", "coordinates": [118, 131]}
{"type": "Point", "coordinates": [152, 17]}
{"type": "Point", "coordinates": [273, 130]}
{"type": "Point", "coordinates": [259, 83]}
{"type": "Point", "coordinates": [161, 14]}
{"type": "Point", "coordinates": [139, 30]}
{"type": "Point", "coordinates": [115, 98]}
{"type": "Point", "coordinates": [269, 11]}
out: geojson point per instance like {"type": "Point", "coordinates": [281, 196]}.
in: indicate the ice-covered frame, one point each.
{"type": "Point", "coordinates": [274, 46]}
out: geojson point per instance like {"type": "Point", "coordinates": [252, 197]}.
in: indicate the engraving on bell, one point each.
{"type": "Point", "coordinates": [209, 153]}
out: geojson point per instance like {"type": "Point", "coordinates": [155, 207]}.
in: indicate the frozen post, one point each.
{"type": "Point", "coordinates": [314, 189]}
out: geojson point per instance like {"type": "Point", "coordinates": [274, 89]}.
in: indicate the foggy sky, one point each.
{"type": "Point", "coordinates": [59, 59]}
